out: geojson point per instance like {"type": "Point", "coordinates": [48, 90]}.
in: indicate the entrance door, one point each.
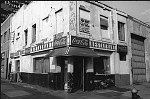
{"type": "Point", "coordinates": [138, 59]}
{"type": "Point", "coordinates": [65, 73]}
{"type": "Point", "coordinates": [78, 72]}
{"type": "Point", "coordinates": [17, 65]}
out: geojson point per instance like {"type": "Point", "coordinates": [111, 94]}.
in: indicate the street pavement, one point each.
{"type": "Point", "coordinates": [12, 90]}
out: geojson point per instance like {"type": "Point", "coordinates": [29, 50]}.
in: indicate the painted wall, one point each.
{"type": "Point", "coordinates": [35, 13]}
{"type": "Point", "coordinates": [136, 27]}
{"type": "Point", "coordinates": [117, 66]}
{"type": "Point", "coordinates": [5, 30]}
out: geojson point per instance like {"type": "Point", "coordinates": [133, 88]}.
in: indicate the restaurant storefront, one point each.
{"type": "Point", "coordinates": [73, 63]}
{"type": "Point", "coordinates": [83, 64]}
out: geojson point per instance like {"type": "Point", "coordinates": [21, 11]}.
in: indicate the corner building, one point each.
{"type": "Point", "coordinates": [70, 45]}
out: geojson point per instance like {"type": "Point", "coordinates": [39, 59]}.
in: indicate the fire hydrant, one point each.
{"type": "Point", "coordinates": [134, 92]}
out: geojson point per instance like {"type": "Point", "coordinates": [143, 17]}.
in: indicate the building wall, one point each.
{"type": "Point", "coordinates": [43, 14]}
{"type": "Point", "coordinates": [95, 10]}
{"type": "Point", "coordinates": [5, 37]}
{"type": "Point", "coordinates": [138, 28]}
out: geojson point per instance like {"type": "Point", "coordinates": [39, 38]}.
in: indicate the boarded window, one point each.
{"type": "Point", "coordinates": [121, 31]}
{"type": "Point", "coordinates": [33, 33]}
{"type": "Point", "coordinates": [59, 21]}
{"type": "Point", "coordinates": [41, 65]}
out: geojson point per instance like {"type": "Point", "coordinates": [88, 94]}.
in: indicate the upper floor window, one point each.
{"type": "Point", "coordinates": [1, 38]}
{"type": "Point", "coordinates": [33, 33]}
{"type": "Point", "coordinates": [121, 31]}
{"type": "Point", "coordinates": [104, 26]}
{"type": "Point", "coordinates": [59, 21]}
{"type": "Point", "coordinates": [84, 21]}
{"type": "Point", "coordinates": [26, 36]}
{"type": "Point", "coordinates": [5, 36]}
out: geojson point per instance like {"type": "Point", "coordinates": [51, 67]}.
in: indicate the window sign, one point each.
{"type": "Point", "coordinates": [84, 21]}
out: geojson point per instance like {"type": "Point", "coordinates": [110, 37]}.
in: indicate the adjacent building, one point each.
{"type": "Point", "coordinates": [139, 50]}
{"type": "Point", "coordinates": [5, 43]}
{"type": "Point", "coordinates": [71, 45]}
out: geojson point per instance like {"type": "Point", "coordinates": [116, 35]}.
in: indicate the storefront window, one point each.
{"type": "Point", "coordinates": [102, 65]}
{"type": "Point", "coordinates": [41, 65]}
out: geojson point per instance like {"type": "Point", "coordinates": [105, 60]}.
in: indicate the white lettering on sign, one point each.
{"type": "Point", "coordinates": [78, 41]}
{"type": "Point", "coordinates": [102, 45]}
{"type": "Point", "coordinates": [60, 42]}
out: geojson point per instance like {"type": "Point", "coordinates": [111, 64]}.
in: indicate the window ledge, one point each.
{"type": "Point", "coordinates": [107, 40]}
{"type": "Point", "coordinates": [122, 42]}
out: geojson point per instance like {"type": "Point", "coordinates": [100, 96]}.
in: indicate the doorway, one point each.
{"type": "Point", "coordinates": [79, 72]}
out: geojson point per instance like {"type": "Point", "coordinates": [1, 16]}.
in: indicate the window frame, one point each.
{"type": "Point", "coordinates": [85, 25]}
{"type": "Point", "coordinates": [122, 57]}
{"type": "Point", "coordinates": [26, 36]}
{"type": "Point", "coordinates": [58, 11]}
{"type": "Point", "coordinates": [33, 33]}
{"type": "Point", "coordinates": [5, 36]}
{"type": "Point", "coordinates": [42, 64]}
{"type": "Point", "coordinates": [102, 30]}
{"type": "Point", "coordinates": [121, 36]}
{"type": "Point", "coordinates": [105, 68]}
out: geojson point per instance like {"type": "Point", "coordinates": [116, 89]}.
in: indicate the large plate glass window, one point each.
{"type": "Point", "coordinates": [102, 65]}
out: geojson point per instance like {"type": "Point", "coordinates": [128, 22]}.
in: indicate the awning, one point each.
{"type": "Point", "coordinates": [102, 53]}
{"type": "Point", "coordinates": [72, 51]}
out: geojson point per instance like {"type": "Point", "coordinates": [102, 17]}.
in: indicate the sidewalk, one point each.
{"type": "Point", "coordinates": [112, 93]}
{"type": "Point", "coordinates": [144, 90]}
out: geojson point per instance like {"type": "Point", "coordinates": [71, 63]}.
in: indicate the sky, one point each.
{"type": "Point", "coordinates": [137, 9]}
